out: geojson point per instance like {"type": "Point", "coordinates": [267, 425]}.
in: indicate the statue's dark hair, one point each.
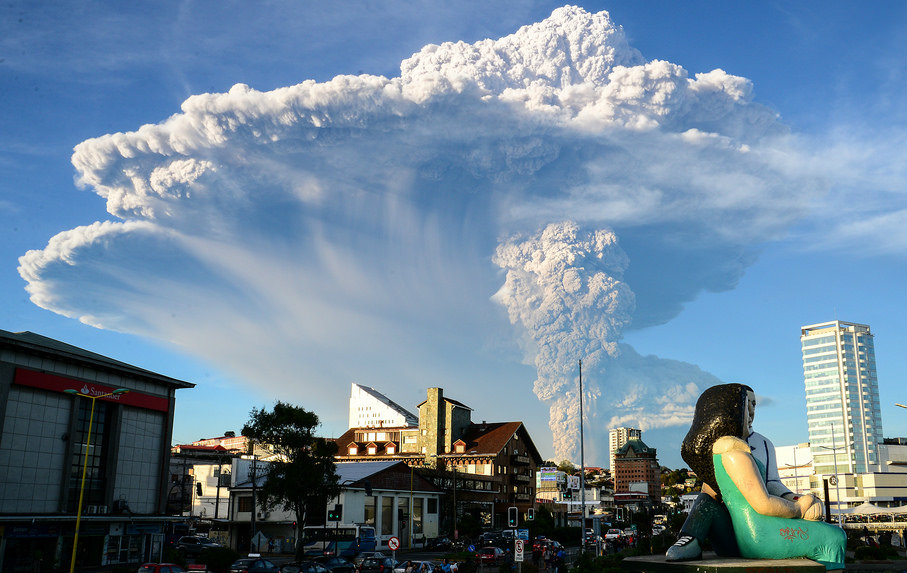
{"type": "Point", "coordinates": [720, 411]}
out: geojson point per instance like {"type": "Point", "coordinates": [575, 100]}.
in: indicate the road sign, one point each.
{"type": "Point", "coordinates": [393, 544]}
{"type": "Point", "coordinates": [522, 534]}
{"type": "Point", "coordinates": [518, 551]}
{"type": "Point", "coordinates": [471, 549]}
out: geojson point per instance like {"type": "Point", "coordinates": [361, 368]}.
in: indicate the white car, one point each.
{"type": "Point", "coordinates": [613, 534]}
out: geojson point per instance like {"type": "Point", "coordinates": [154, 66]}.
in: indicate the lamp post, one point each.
{"type": "Point", "coordinates": [834, 450]}
{"type": "Point", "coordinates": [75, 539]}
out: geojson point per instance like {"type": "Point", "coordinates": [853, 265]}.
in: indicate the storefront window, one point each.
{"type": "Point", "coordinates": [370, 510]}
{"type": "Point", "coordinates": [387, 516]}
{"type": "Point", "coordinates": [417, 515]}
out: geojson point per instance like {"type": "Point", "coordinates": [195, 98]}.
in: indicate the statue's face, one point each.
{"type": "Point", "coordinates": [750, 412]}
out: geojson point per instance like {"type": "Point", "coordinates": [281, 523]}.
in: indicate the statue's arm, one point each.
{"type": "Point", "coordinates": [741, 468]}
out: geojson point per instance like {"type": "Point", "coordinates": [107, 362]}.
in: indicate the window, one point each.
{"type": "Point", "coordinates": [417, 515]}
{"type": "Point", "coordinates": [96, 463]}
{"type": "Point", "coordinates": [244, 503]}
{"type": "Point", "coordinates": [387, 516]}
{"type": "Point", "coordinates": [390, 449]}
{"type": "Point", "coordinates": [353, 449]}
{"type": "Point", "coordinates": [432, 506]}
{"type": "Point", "coordinates": [370, 510]}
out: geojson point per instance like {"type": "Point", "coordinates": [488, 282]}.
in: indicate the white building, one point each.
{"type": "Point", "coordinates": [617, 437]}
{"type": "Point", "coordinates": [885, 488]}
{"type": "Point", "coordinates": [372, 409]}
{"type": "Point", "coordinates": [842, 397]}
{"type": "Point", "coordinates": [795, 466]}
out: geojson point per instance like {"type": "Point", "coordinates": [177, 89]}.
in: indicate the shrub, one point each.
{"type": "Point", "coordinates": [870, 553]}
{"type": "Point", "coordinates": [218, 558]}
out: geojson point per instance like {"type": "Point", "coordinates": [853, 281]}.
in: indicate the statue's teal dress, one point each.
{"type": "Point", "coordinates": [769, 537]}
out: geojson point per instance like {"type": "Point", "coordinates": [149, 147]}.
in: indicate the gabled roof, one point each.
{"type": "Point", "coordinates": [488, 439]}
{"type": "Point", "coordinates": [38, 344]}
{"type": "Point", "coordinates": [355, 471]}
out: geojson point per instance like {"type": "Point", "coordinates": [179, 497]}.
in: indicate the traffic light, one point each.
{"type": "Point", "coordinates": [568, 493]}
{"type": "Point", "coordinates": [334, 514]}
{"type": "Point", "coordinates": [530, 514]}
{"type": "Point", "coordinates": [512, 516]}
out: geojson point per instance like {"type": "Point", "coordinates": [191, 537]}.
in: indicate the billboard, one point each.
{"type": "Point", "coordinates": [548, 474]}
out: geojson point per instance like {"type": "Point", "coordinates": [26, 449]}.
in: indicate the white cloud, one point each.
{"type": "Point", "coordinates": [304, 235]}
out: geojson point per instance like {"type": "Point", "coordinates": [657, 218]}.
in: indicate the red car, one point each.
{"type": "Point", "coordinates": [161, 568]}
{"type": "Point", "coordinates": [493, 555]}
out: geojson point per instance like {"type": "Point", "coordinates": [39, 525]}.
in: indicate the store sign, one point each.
{"type": "Point", "coordinates": [56, 383]}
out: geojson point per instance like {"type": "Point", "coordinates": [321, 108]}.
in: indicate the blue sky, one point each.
{"type": "Point", "coordinates": [721, 234]}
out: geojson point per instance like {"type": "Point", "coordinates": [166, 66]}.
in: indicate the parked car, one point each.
{"type": "Point", "coordinates": [416, 566]}
{"type": "Point", "coordinates": [335, 564]}
{"type": "Point", "coordinates": [439, 544]}
{"type": "Point", "coordinates": [377, 565]}
{"type": "Point", "coordinates": [490, 537]}
{"type": "Point", "coordinates": [357, 560]}
{"type": "Point", "coordinates": [253, 565]}
{"type": "Point", "coordinates": [160, 568]}
{"type": "Point", "coordinates": [492, 555]}
{"type": "Point", "coordinates": [310, 566]}
{"type": "Point", "coordinates": [195, 544]}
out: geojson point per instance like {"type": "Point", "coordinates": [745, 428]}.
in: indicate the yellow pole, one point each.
{"type": "Point", "coordinates": [412, 514]}
{"type": "Point", "coordinates": [75, 539]}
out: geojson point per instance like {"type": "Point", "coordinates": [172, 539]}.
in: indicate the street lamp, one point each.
{"type": "Point", "coordinates": [834, 450]}
{"type": "Point", "coordinates": [75, 539]}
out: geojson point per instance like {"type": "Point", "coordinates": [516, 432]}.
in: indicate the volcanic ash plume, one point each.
{"type": "Point", "coordinates": [311, 235]}
{"type": "Point", "coordinates": [565, 288]}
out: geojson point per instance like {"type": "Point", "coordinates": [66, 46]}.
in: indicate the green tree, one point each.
{"type": "Point", "coordinates": [304, 476]}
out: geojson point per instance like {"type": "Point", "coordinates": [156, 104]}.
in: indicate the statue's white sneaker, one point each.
{"type": "Point", "coordinates": [685, 549]}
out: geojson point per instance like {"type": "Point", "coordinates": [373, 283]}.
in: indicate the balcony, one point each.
{"type": "Point", "coordinates": [518, 459]}
{"type": "Point", "coordinates": [521, 478]}
{"type": "Point", "coordinates": [522, 497]}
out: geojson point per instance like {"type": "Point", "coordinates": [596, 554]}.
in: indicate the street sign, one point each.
{"type": "Point", "coordinates": [522, 534]}
{"type": "Point", "coordinates": [518, 551]}
{"type": "Point", "coordinates": [393, 544]}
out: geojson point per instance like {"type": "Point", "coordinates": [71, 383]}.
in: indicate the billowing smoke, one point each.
{"type": "Point", "coordinates": [312, 235]}
{"type": "Point", "coordinates": [566, 290]}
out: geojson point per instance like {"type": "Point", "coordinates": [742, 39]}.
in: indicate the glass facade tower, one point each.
{"type": "Point", "coordinates": [842, 397]}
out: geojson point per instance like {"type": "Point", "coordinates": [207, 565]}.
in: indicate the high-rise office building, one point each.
{"type": "Point", "coordinates": [842, 397]}
{"type": "Point", "coordinates": [620, 436]}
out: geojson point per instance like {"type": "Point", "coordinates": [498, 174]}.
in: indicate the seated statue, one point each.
{"type": "Point", "coordinates": [746, 513]}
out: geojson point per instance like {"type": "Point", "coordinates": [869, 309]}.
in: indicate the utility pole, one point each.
{"type": "Point", "coordinates": [582, 465]}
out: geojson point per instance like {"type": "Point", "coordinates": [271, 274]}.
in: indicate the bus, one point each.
{"type": "Point", "coordinates": [344, 540]}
